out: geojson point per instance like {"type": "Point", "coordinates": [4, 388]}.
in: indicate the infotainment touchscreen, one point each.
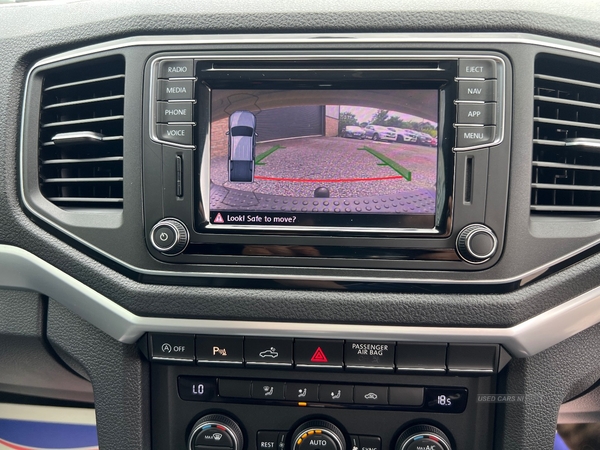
{"type": "Point", "coordinates": [324, 158]}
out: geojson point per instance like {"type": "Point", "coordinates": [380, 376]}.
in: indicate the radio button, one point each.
{"type": "Point", "coordinates": [477, 68]}
{"type": "Point", "coordinates": [176, 90]}
{"type": "Point", "coordinates": [472, 136]}
{"type": "Point", "coordinates": [482, 91]}
{"type": "Point", "coordinates": [477, 113]}
{"type": "Point", "coordinates": [176, 68]}
{"type": "Point", "coordinates": [175, 112]}
{"type": "Point", "coordinates": [177, 134]}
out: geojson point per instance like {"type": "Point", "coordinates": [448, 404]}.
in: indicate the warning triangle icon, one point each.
{"type": "Point", "coordinates": [319, 356]}
{"type": "Point", "coordinates": [219, 218]}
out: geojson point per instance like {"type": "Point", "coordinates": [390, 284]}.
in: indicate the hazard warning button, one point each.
{"type": "Point", "coordinates": [319, 353]}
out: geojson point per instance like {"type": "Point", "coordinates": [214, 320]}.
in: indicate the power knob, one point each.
{"type": "Point", "coordinates": [476, 243]}
{"type": "Point", "coordinates": [170, 237]}
{"type": "Point", "coordinates": [318, 435]}
{"type": "Point", "coordinates": [420, 437]}
{"type": "Point", "coordinates": [216, 432]}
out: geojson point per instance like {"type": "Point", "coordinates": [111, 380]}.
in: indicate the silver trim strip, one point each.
{"type": "Point", "coordinates": [20, 269]}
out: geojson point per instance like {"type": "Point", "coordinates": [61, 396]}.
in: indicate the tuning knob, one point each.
{"type": "Point", "coordinates": [170, 237]}
{"type": "Point", "coordinates": [476, 243]}
{"type": "Point", "coordinates": [423, 437]}
{"type": "Point", "coordinates": [318, 435]}
{"type": "Point", "coordinates": [216, 432]}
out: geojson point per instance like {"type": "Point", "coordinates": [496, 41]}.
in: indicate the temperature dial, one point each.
{"type": "Point", "coordinates": [318, 435]}
{"type": "Point", "coordinates": [216, 432]}
{"type": "Point", "coordinates": [423, 437]}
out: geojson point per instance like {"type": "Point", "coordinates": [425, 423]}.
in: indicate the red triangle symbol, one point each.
{"type": "Point", "coordinates": [219, 218]}
{"type": "Point", "coordinates": [319, 356]}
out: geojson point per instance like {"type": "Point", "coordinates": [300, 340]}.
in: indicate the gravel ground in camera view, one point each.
{"type": "Point", "coordinates": [331, 160]}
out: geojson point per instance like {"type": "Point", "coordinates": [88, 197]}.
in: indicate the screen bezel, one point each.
{"type": "Point", "coordinates": [405, 74]}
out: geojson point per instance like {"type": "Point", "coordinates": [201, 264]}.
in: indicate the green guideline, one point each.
{"type": "Point", "coordinates": [259, 158]}
{"type": "Point", "coordinates": [389, 162]}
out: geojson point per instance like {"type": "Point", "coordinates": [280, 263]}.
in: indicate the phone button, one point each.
{"type": "Point", "coordinates": [336, 393]}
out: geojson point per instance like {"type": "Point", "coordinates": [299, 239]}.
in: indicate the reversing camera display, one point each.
{"type": "Point", "coordinates": [323, 157]}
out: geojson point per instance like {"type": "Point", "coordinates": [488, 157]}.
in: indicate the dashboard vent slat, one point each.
{"type": "Point", "coordinates": [81, 134]}
{"type": "Point", "coordinates": [566, 141]}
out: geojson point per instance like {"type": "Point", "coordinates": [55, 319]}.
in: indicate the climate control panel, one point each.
{"type": "Point", "coordinates": [271, 407]}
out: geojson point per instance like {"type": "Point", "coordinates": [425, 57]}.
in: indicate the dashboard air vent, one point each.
{"type": "Point", "coordinates": [566, 141]}
{"type": "Point", "coordinates": [81, 134]}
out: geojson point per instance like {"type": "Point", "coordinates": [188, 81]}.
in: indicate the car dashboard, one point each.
{"type": "Point", "coordinates": [303, 226]}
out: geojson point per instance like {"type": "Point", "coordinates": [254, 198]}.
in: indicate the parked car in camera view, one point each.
{"type": "Point", "coordinates": [242, 144]}
{"type": "Point", "coordinates": [423, 138]}
{"type": "Point", "coordinates": [404, 135]}
{"type": "Point", "coordinates": [352, 131]}
{"type": "Point", "coordinates": [378, 132]}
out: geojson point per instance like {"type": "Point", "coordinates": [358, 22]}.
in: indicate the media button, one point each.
{"type": "Point", "coordinates": [219, 350]}
{"type": "Point", "coordinates": [477, 68]}
{"type": "Point", "coordinates": [302, 392]}
{"type": "Point", "coordinates": [336, 393]}
{"type": "Point", "coordinates": [374, 355]}
{"type": "Point", "coordinates": [318, 353]}
{"type": "Point", "coordinates": [268, 351]}
{"type": "Point", "coordinates": [176, 68]}
{"type": "Point", "coordinates": [176, 90]}
{"type": "Point", "coordinates": [172, 347]}
{"type": "Point", "coordinates": [371, 395]}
